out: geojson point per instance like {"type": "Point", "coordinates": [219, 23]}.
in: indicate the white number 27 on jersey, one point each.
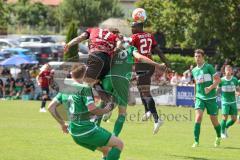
{"type": "Point", "coordinates": [144, 45]}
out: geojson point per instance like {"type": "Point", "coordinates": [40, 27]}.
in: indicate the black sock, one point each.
{"type": "Point", "coordinates": [144, 103]}
{"type": "Point", "coordinates": [152, 108]}
{"type": "Point", "coordinates": [43, 103]}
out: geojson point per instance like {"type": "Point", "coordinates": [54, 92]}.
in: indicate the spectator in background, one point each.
{"type": "Point", "coordinates": [34, 72]}
{"type": "Point", "coordinates": [5, 72]}
{"type": "Point", "coordinates": [19, 84]}
{"type": "Point", "coordinates": [186, 79]}
{"type": "Point", "coordinates": [175, 80]}
{"type": "Point", "coordinates": [2, 90]}
{"type": "Point", "coordinates": [9, 86]}
{"type": "Point", "coordinates": [43, 80]}
{"type": "Point", "coordinates": [28, 91]}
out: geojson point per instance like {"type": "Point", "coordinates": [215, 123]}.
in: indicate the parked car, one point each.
{"type": "Point", "coordinates": [8, 43]}
{"type": "Point", "coordinates": [21, 52]}
{"type": "Point", "coordinates": [29, 39]}
{"type": "Point", "coordinates": [42, 51]}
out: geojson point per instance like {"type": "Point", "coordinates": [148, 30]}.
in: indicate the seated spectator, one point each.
{"type": "Point", "coordinates": [175, 79]}
{"type": "Point", "coordinates": [5, 71]}
{"type": "Point", "coordinates": [9, 86]}
{"type": "Point", "coordinates": [186, 79]}
{"type": "Point", "coordinates": [2, 92]}
{"type": "Point", "coordinates": [28, 91]}
{"type": "Point", "coordinates": [19, 84]}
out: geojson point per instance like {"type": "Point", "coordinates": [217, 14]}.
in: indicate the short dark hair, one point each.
{"type": "Point", "coordinates": [200, 51]}
{"type": "Point", "coordinates": [137, 25]}
{"type": "Point", "coordinates": [78, 71]}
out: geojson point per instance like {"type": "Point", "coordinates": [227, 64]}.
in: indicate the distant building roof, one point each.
{"type": "Point", "coordinates": [45, 2]}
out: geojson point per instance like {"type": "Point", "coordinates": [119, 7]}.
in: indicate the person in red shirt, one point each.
{"type": "Point", "coordinates": [102, 43]}
{"type": "Point", "coordinates": [43, 80]}
{"type": "Point", "coordinates": [146, 44]}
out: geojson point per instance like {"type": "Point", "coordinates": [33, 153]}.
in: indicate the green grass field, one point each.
{"type": "Point", "coordinates": [26, 134]}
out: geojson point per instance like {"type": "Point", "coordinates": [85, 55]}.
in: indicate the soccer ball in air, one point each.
{"type": "Point", "coordinates": [139, 15]}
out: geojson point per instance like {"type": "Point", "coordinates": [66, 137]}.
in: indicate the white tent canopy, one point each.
{"type": "Point", "coordinates": [118, 23]}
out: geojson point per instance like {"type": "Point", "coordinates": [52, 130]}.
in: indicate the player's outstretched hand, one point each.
{"type": "Point", "coordinates": [207, 90]}
{"type": "Point", "coordinates": [66, 48]}
{"type": "Point", "coordinates": [65, 128]}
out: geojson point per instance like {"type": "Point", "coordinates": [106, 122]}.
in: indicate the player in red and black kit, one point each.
{"type": "Point", "coordinates": [102, 44]}
{"type": "Point", "coordinates": [43, 80]}
{"type": "Point", "coordinates": [146, 44]}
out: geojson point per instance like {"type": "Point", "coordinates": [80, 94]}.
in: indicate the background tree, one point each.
{"type": "Point", "coordinates": [88, 13]}
{"type": "Point", "coordinates": [72, 54]}
{"type": "Point", "coordinates": [4, 17]}
{"type": "Point", "coordinates": [197, 24]}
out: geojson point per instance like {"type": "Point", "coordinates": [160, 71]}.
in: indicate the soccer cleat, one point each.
{"type": "Point", "coordinates": [43, 110]}
{"type": "Point", "coordinates": [107, 116]}
{"type": "Point", "coordinates": [195, 144]}
{"type": "Point", "coordinates": [146, 116]}
{"type": "Point", "coordinates": [217, 142]}
{"type": "Point", "coordinates": [223, 136]}
{"type": "Point", "coordinates": [157, 126]}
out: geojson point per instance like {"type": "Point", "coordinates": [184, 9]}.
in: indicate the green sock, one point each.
{"type": "Point", "coordinates": [223, 125]}
{"type": "Point", "coordinates": [104, 158]}
{"type": "Point", "coordinates": [229, 123]}
{"type": "Point", "coordinates": [119, 124]}
{"type": "Point", "coordinates": [197, 127]}
{"type": "Point", "coordinates": [113, 154]}
{"type": "Point", "coordinates": [218, 130]}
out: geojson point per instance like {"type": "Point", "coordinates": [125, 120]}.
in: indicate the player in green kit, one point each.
{"type": "Point", "coordinates": [81, 108]}
{"type": "Point", "coordinates": [119, 77]}
{"type": "Point", "coordinates": [228, 87]}
{"type": "Point", "coordinates": [206, 81]}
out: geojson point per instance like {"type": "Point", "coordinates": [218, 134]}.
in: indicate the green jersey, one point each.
{"type": "Point", "coordinates": [122, 63]}
{"type": "Point", "coordinates": [77, 103]}
{"type": "Point", "coordinates": [228, 89]}
{"type": "Point", "coordinates": [203, 77]}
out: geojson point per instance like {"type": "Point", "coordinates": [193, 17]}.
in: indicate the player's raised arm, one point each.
{"type": "Point", "coordinates": [158, 51]}
{"type": "Point", "coordinates": [76, 40]}
{"type": "Point", "coordinates": [145, 59]}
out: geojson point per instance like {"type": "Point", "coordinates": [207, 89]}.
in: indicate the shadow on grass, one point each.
{"type": "Point", "coordinates": [233, 148]}
{"type": "Point", "coordinates": [189, 157]}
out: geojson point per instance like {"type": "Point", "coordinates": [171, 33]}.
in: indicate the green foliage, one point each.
{"type": "Point", "coordinates": [178, 63]}
{"type": "Point", "coordinates": [33, 14]}
{"type": "Point", "coordinates": [197, 24]}
{"type": "Point", "coordinates": [88, 13]}
{"type": "Point", "coordinates": [3, 13]}
{"type": "Point", "coordinates": [72, 54]}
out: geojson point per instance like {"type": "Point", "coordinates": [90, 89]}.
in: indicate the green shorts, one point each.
{"type": "Point", "coordinates": [210, 105]}
{"type": "Point", "coordinates": [98, 137]}
{"type": "Point", "coordinates": [229, 109]}
{"type": "Point", "coordinates": [118, 87]}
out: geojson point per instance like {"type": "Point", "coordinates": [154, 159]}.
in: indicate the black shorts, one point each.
{"type": "Point", "coordinates": [144, 72]}
{"type": "Point", "coordinates": [45, 90]}
{"type": "Point", "coordinates": [98, 65]}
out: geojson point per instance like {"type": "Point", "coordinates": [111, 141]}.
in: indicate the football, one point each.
{"type": "Point", "coordinates": [139, 15]}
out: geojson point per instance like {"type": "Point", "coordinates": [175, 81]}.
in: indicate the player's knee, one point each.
{"type": "Point", "coordinates": [234, 119]}
{"type": "Point", "coordinates": [119, 144]}
{"type": "Point", "coordinates": [198, 118]}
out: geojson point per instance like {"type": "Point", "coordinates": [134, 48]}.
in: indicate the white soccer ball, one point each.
{"type": "Point", "coordinates": [139, 15]}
